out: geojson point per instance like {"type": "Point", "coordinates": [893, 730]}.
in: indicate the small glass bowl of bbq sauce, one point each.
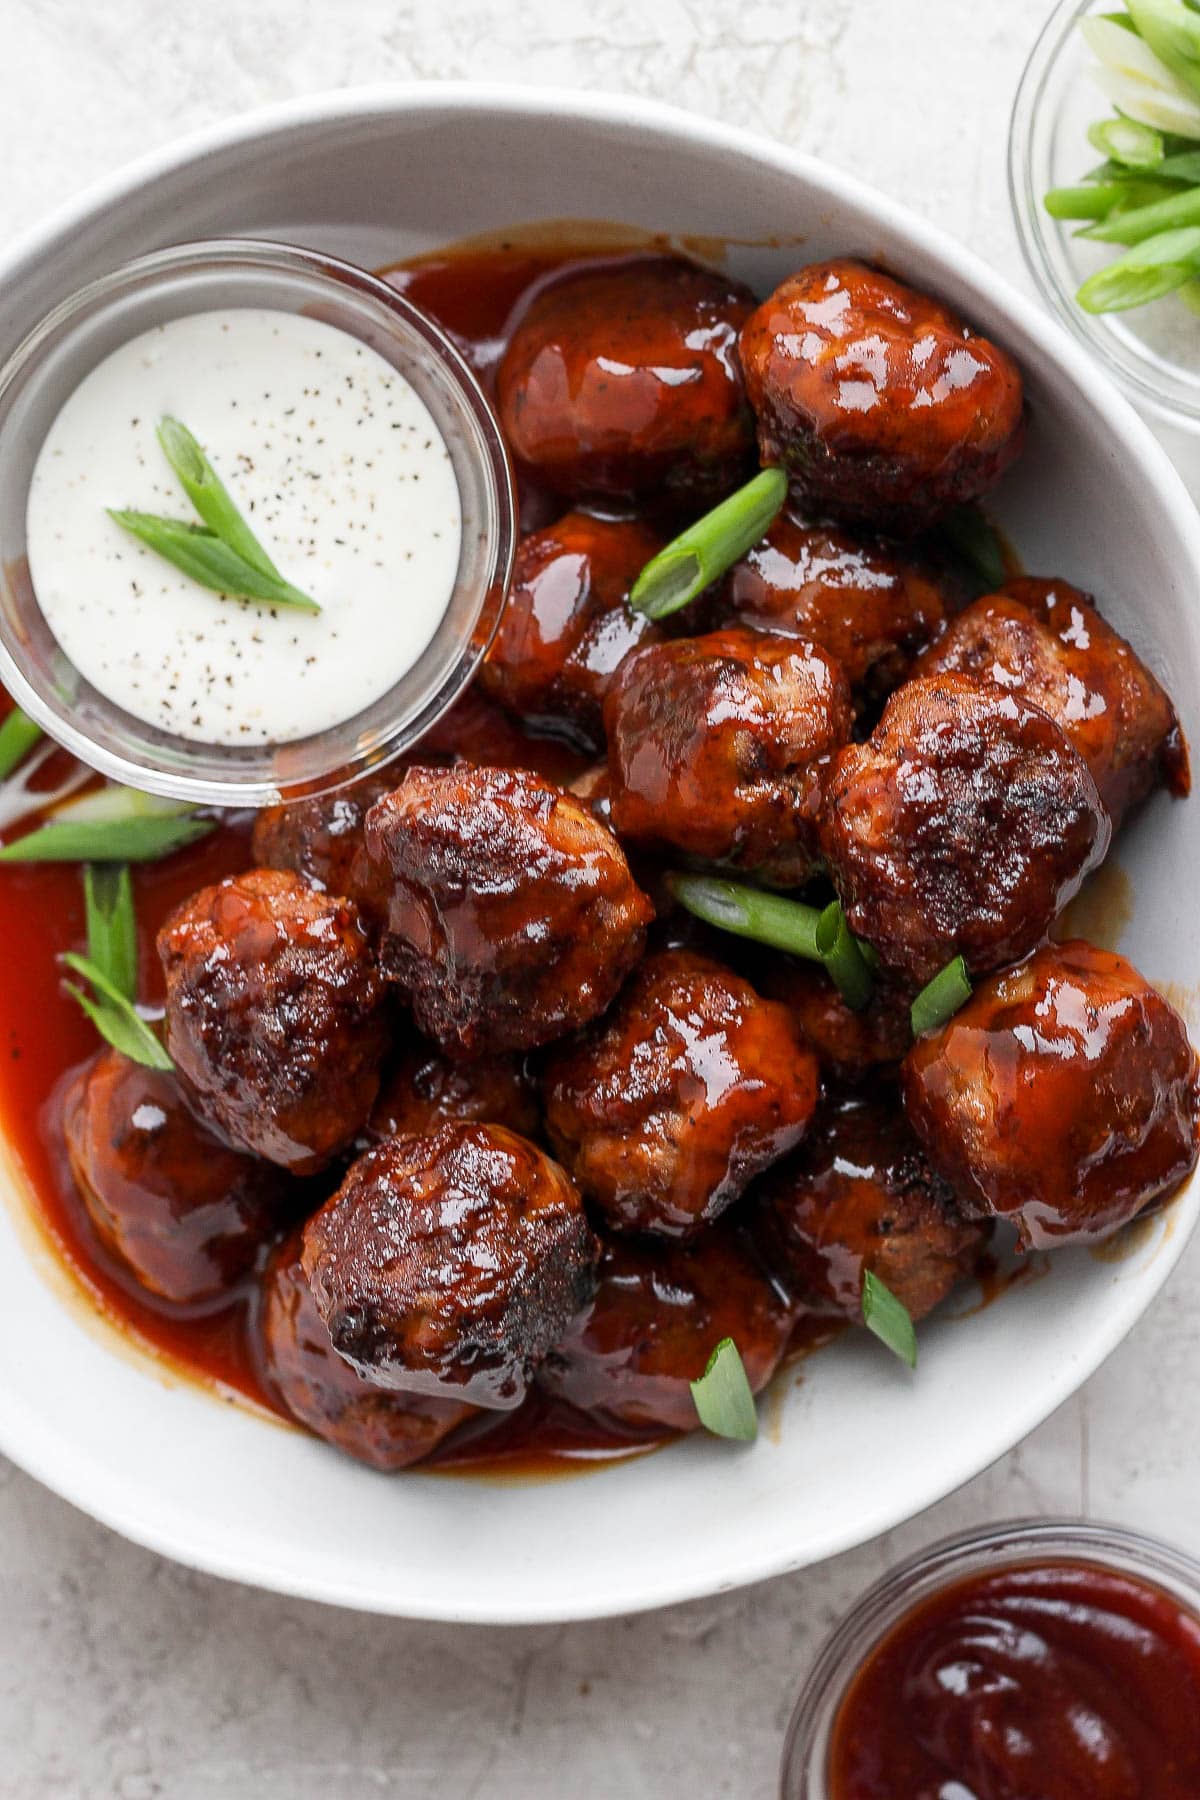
{"type": "Point", "coordinates": [1056, 1658]}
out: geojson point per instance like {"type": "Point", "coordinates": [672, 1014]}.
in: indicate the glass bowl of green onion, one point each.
{"type": "Point", "coordinates": [1104, 176]}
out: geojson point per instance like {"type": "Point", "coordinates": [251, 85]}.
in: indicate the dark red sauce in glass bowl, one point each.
{"type": "Point", "coordinates": [1037, 1662]}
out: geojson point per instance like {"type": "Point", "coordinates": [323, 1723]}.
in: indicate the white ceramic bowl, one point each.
{"type": "Point", "coordinates": [858, 1445]}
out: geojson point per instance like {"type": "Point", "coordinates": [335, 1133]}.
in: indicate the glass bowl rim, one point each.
{"type": "Point", "coordinates": [275, 257]}
{"type": "Point", "coordinates": [874, 1612]}
{"type": "Point", "coordinates": [1032, 222]}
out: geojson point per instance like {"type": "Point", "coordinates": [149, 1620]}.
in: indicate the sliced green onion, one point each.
{"type": "Point", "coordinates": [1172, 31]}
{"type": "Point", "coordinates": [114, 801]}
{"type": "Point", "coordinates": [18, 735]}
{"type": "Point", "coordinates": [1144, 222]}
{"type": "Point", "coordinates": [210, 497]}
{"type": "Point", "coordinates": [889, 1319]}
{"type": "Point", "coordinates": [750, 913]}
{"type": "Point", "coordinates": [1183, 165]}
{"type": "Point", "coordinates": [112, 924]}
{"type": "Point", "coordinates": [941, 998]}
{"type": "Point", "coordinates": [1146, 272]}
{"type": "Point", "coordinates": [842, 955]}
{"type": "Point", "coordinates": [1092, 200]}
{"type": "Point", "coordinates": [114, 1016]}
{"type": "Point", "coordinates": [1136, 80]}
{"type": "Point", "coordinates": [134, 839]}
{"type": "Point", "coordinates": [208, 560]}
{"type": "Point", "coordinates": [969, 534]}
{"type": "Point", "coordinates": [724, 1402]}
{"type": "Point", "coordinates": [1189, 293]}
{"type": "Point", "coordinates": [1127, 142]}
{"type": "Point", "coordinates": [706, 549]}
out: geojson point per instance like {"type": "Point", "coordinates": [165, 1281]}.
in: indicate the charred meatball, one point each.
{"type": "Point", "coordinates": [624, 382]}
{"type": "Point", "coordinates": [849, 1044]}
{"type": "Point", "coordinates": [659, 1313]}
{"type": "Point", "coordinates": [320, 1390]}
{"type": "Point", "coordinates": [868, 605]}
{"type": "Point", "coordinates": [172, 1202]}
{"type": "Point", "coordinates": [568, 624]}
{"type": "Point", "coordinates": [963, 825]}
{"type": "Point", "coordinates": [513, 916]}
{"type": "Point", "coordinates": [1045, 641]}
{"type": "Point", "coordinates": [449, 1264]}
{"type": "Point", "coordinates": [859, 1197]}
{"type": "Point", "coordinates": [1064, 1096]}
{"type": "Point", "coordinates": [883, 406]}
{"type": "Point", "coordinates": [686, 1090]}
{"type": "Point", "coordinates": [422, 1090]}
{"type": "Point", "coordinates": [275, 1014]}
{"type": "Point", "coordinates": [719, 745]}
{"type": "Point", "coordinates": [322, 839]}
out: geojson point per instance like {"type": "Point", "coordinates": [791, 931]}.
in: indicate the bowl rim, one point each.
{"type": "Point", "coordinates": [27, 1440]}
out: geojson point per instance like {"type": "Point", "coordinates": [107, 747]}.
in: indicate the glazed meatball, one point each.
{"type": "Point", "coordinates": [849, 1044]}
{"type": "Point", "coordinates": [659, 1313]}
{"type": "Point", "coordinates": [686, 1090]}
{"type": "Point", "coordinates": [275, 1015]}
{"type": "Point", "coordinates": [449, 1264]}
{"type": "Point", "coordinates": [885, 408]}
{"type": "Point", "coordinates": [963, 825]}
{"type": "Point", "coordinates": [859, 1196]}
{"type": "Point", "coordinates": [624, 382]}
{"type": "Point", "coordinates": [422, 1090]}
{"type": "Point", "coordinates": [322, 839]}
{"type": "Point", "coordinates": [513, 916]}
{"type": "Point", "coordinates": [719, 745]}
{"type": "Point", "coordinates": [1046, 641]}
{"type": "Point", "coordinates": [568, 624]}
{"type": "Point", "coordinates": [1063, 1096]}
{"type": "Point", "coordinates": [172, 1202]}
{"type": "Point", "coordinates": [868, 605]}
{"type": "Point", "coordinates": [320, 1390]}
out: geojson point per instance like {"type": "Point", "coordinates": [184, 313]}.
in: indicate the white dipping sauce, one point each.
{"type": "Point", "coordinates": [338, 468]}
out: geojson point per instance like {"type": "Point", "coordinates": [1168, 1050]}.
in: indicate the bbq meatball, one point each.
{"type": "Point", "coordinates": [687, 1089]}
{"type": "Point", "coordinates": [568, 624]}
{"type": "Point", "coordinates": [1064, 1096]}
{"type": "Point", "coordinates": [857, 1197]}
{"type": "Point", "coordinates": [275, 1014]}
{"type": "Point", "coordinates": [449, 1264]}
{"type": "Point", "coordinates": [172, 1202]}
{"type": "Point", "coordinates": [964, 824]}
{"type": "Point", "coordinates": [871, 608]}
{"type": "Point", "coordinates": [513, 916]}
{"type": "Point", "coordinates": [422, 1091]}
{"type": "Point", "coordinates": [320, 1390]}
{"type": "Point", "coordinates": [719, 745]}
{"type": "Point", "coordinates": [849, 1044]}
{"type": "Point", "coordinates": [883, 406]}
{"type": "Point", "coordinates": [624, 382]}
{"type": "Point", "coordinates": [322, 839]}
{"type": "Point", "coordinates": [1046, 641]}
{"type": "Point", "coordinates": [659, 1313]}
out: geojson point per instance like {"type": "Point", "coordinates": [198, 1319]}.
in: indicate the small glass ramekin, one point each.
{"type": "Point", "coordinates": [804, 1774]}
{"type": "Point", "coordinates": [199, 277]}
{"type": "Point", "coordinates": [1153, 351]}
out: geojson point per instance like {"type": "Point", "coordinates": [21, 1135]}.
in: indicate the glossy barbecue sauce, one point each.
{"type": "Point", "coordinates": [44, 1036]}
{"type": "Point", "coordinates": [1047, 1681]}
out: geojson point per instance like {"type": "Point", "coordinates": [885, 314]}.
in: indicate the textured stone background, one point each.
{"type": "Point", "coordinates": [121, 1675]}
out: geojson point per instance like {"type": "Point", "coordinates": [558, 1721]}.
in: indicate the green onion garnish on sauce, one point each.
{"type": "Point", "coordinates": [18, 735]}
{"type": "Point", "coordinates": [842, 954]}
{"type": "Point", "coordinates": [889, 1319]}
{"type": "Point", "coordinates": [941, 998]}
{"type": "Point", "coordinates": [724, 1402]}
{"type": "Point", "coordinates": [114, 1016]}
{"type": "Point", "coordinates": [111, 924]}
{"type": "Point", "coordinates": [116, 824]}
{"type": "Point", "coordinates": [222, 553]}
{"type": "Point", "coordinates": [694, 559]}
{"type": "Point", "coordinates": [782, 924]}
